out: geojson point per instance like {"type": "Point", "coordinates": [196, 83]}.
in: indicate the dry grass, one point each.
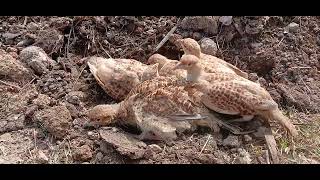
{"type": "Point", "coordinates": [306, 147]}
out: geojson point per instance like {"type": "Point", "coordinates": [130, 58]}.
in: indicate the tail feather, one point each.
{"type": "Point", "coordinates": [284, 121]}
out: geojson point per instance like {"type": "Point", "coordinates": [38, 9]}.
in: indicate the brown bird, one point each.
{"type": "Point", "coordinates": [210, 64]}
{"type": "Point", "coordinates": [234, 97]}
{"type": "Point", "coordinates": [118, 76]}
{"type": "Point", "coordinates": [153, 104]}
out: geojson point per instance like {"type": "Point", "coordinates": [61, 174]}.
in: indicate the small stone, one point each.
{"type": "Point", "coordinates": [247, 138]}
{"type": "Point", "coordinates": [99, 156]}
{"type": "Point", "coordinates": [260, 132]}
{"type": "Point", "coordinates": [75, 97]}
{"type": "Point", "coordinates": [226, 20]}
{"type": "Point", "coordinates": [256, 45]}
{"type": "Point", "coordinates": [231, 141]}
{"type": "Point", "coordinates": [93, 135]}
{"type": "Point", "coordinates": [32, 26]}
{"type": "Point", "coordinates": [244, 157]}
{"type": "Point", "coordinates": [82, 153]}
{"type": "Point", "coordinates": [42, 101]}
{"type": "Point", "coordinates": [209, 24]}
{"type": "Point", "coordinates": [208, 46]}
{"type": "Point", "coordinates": [292, 27]}
{"type": "Point", "coordinates": [36, 58]}
{"type": "Point", "coordinates": [42, 158]}
{"type": "Point", "coordinates": [56, 120]}
{"type": "Point", "coordinates": [197, 36]}
{"type": "Point", "coordinates": [155, 148]}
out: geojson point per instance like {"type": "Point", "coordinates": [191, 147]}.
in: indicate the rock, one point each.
{"type": "Point", "coordinates": [197, 36]}
{"type": "Point", "coordinates": [260, 132]}
{"type": "Point", "coordinates": [42, 101]}
{"type": "Point", "coordinates": [295, 96]}
{"type": "Point", "coordinates": [155, 148]}
{"type": "Point", "coordinates": [56, 120]}
{"type": "Point", "coordinates": [253, 77]}
{"type": "Point", "coordinates": [256, 45]}
{"type": "Point", "coordinates": [9, 36]}
{"type": "Point", "coordinates": [99, 156]}
{"type": "Point", "coordinates": [208, 24]}
{"type": "Point", "coordinates": [82, 153]}
{"type": "Point", "coordinates": [60, 23]}
{"type": "Point", "coordinates": [93, 135]}
{"type": "Point", "coordinates": [244, 157]}
{"type": "Point", "coordinates": [50, 40]}
{"type": "Point", "coordinates": [36, 58]}
{"type": "Point", "coordinates": [291, 28]}
{"type": "Point", "coordinates": [30, 111]}
{"type": "Point", "coordinates": [75, 97]}
{"type": "Point", "coordinates": [32, 27]}
{"type": "Point", "coordinates": [13, 69]}
{"type": "Point", "coordinates": [79, 122]}
{"type": "Point", "coordinates": [254, 27]}
{"type": "Point", "coordinates": [42, 158]}
{"type": "Point", "coordinates": [72, 109]}
{"type": "Point", "coordinates": [208, 46]}
{"type": "Point", "coordinates": [231, 141]}
{"type": "Point", "coordinates": [124, 143]}
{"type": "Point", "coordinates": [226, 20]}
{"type": "Point", "coordinates": [247, 138]}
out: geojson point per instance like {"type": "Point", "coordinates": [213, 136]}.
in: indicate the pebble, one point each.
{"type": "Point", "coordinates": [247, 138]}
{"type": "Point", "coordinates": [42, 158]}
{"type": "Point", "coordinates": [231, 141]}
{"type": "Point", "coordinates": [155, 148]}
{"type": "Point", "coordinates": [208, 46]}
{"type": "Point", "coordinates": [226, 20]}
{"type": "Point", "coordinates": [292, 27]}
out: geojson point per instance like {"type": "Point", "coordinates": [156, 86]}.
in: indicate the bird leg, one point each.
{"type": "Point", "coordinates": [244, 118]}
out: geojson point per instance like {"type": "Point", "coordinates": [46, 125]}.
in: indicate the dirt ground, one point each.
{"type": "Point", "coordinates": [43, 100]}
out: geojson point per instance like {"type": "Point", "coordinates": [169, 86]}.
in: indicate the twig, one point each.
{"type": "Point", "coordinates": [166, 38]}
{"type": "Point", "coordinates": [205, 144]}
{"type": "Point", "coordinates": [8, 84]}
{"type": "Point", "coordinates": [26, 85]}
{"type": "Point", "coordinates": [272, 145]}
{"type": "Point", "coordinates": [68, 43]}
{"type": "Point", "coordinates": [85, 65]}
{"type": "Point", "coordinates": [104, 50]}
{"type": "Point", "coordinates": [267, 157]}
{"type": "Point", "coordinates": [279, 42]}
{"type": "Point", "coordinates": [298, 67]}
{"type": "Point", "coordinates": [25, 21]}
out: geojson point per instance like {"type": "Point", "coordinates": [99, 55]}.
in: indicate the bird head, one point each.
{"type": "Point", "coordinates": [190, 64]}
{"type": "Point", "coordinates": [190, 46]}
{"type": "Point", "coordinates": [102, 114]}
{"type": "Point", "coordinates": [157, 58]}
{"type": "Point", "coordinates": [187, 62]}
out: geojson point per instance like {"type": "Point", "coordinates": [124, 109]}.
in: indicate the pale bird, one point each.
{"type": "Point", "coordinates": [234, 97]}
{"type": "Point", "coordinates": [118, 76]}
{"type": "Point", "coordinates": [209, 63]}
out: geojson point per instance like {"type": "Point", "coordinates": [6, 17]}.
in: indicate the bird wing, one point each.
{"type": "Point", "coordinates": [212, 59]}
{"type": "Point", "coordinates": [236, 98]}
